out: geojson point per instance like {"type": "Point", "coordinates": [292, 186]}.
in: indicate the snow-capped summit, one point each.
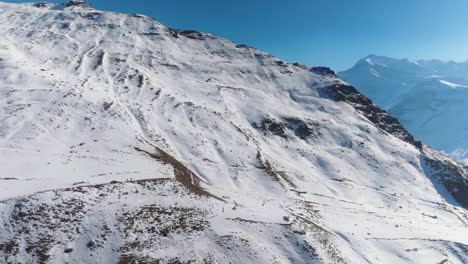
{"type": "Point", "coordinates": [428, 96]}
{"type": "Point", "coordinates": [375, 60]}
{"type": "Point", "coordinates": [126, 141]}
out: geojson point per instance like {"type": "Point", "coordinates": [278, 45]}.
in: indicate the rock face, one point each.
{"type": "Point", "coordinates": [452, 176]}
{"type": "Point", "coordinates": [125, 141]}
{"type": "Point", "coordinates": [376, 115]}
{"type": "Point", "coordinates": [428, 97]}
{"type": "Point", "coordinates": [80, 3]}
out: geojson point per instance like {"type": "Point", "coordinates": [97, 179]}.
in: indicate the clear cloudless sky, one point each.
{"type": "Point", "coordinates": [335, 33]}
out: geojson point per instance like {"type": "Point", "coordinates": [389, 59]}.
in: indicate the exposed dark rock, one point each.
{"type": "Point", "coordinates": [301, 128]}
{"type": "Point", "coordinates": [92, 15]}
{"type": "Point", "coordinates": [141, 80]}
{"type": "Point", "coordinates": [272, 126]}
{"type": "Point", "coordinates": [281, 63]}
{"type": "Point", "coordinates": [8, 179]}
{"type": "Point", "coordinates": [81, 3]}
{"type": "Point", "coordinates": [64, 26]}
{"type": "Point", "coordinates": [41, 5]}
{"type": "Point", "coordinates": [172, 32]}
{"type": "Point", "coordinates": [107, 105]}
{"type": "Point", "coordinates": [100, 60]}
{"type": "Point", "coordinates": [300, 232]}
{"type": "Point", "coordinates": [243, 46]}
{"type": "Point", "coordinates": [452, 176]}
{"type": "Point", "coordinates": [173, 66]}
{"type": "Point", "coordinates": [192, 34]}
{"type": "Point", "coordinates": [322, 71]}
{"type": "Point", "coordinates": [376, 115]}
{"type": "Point", "coordinates": [137, 16]}
{"type": "Point", "coordinates": [151, 34]}
{"type": "Point", "coordinates": [302, 66]}
{"type": "Point", "coordinates": [91, 244]}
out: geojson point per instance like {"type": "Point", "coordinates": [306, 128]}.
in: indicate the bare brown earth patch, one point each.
{"type": "Point", "coordinates": [182, 174]}
{"type": "Point", "coordinates": [275, 174]}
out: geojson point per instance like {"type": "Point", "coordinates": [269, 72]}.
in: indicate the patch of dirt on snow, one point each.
{"type": "Point", "coordinates": [182, 174]}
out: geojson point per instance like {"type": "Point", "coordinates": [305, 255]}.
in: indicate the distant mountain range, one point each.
{"type": "Point", "coordinates": [430, 97]}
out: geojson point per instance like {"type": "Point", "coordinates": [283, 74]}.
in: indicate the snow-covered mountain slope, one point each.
{"type": "Point", "coordinates": [124, 141]}
{"type": "Point", "coordinates": [428, 96]}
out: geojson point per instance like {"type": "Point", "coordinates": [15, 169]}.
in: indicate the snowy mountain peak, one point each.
{"type": "Point", "coordinates": [374, 59]}
{"type": "Point", "coordinates": [125, 141]}
{"type": "Point", "coordinates": [428, 96]}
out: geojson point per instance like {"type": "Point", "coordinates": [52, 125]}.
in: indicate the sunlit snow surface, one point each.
{"type": "Point", "coordinates": [83, 92]}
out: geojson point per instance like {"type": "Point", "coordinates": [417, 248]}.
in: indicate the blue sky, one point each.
{"type": "Point", "coordinates": [334, 33]}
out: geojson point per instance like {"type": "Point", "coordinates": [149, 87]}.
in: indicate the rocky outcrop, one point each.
{"type": "Point", "coordinates": [322, 71]}
{"type": "Point", "coordinates": [81, 3]}
{"type": "Point", "coordinates": [376, 115]}
{"type": "Point", "coordinates": [288, 127]}
{"type": "Point", "coordinates": [452, 176]}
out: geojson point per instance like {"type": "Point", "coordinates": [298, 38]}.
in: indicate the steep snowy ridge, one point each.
{"type": "Point", "coordinates": [125, 141]}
